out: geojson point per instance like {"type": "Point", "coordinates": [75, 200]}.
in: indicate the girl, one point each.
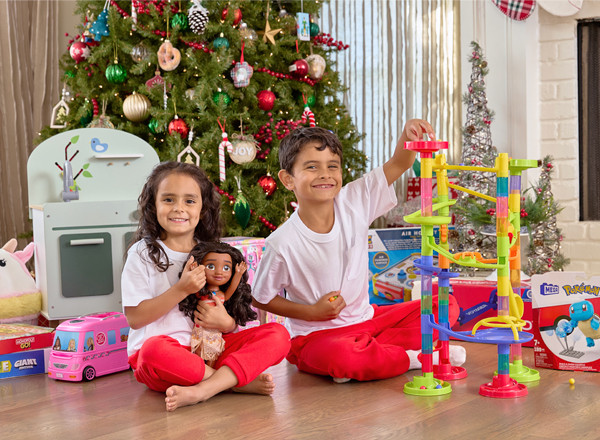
{"type": "Point", "coordinates": [225, 268]}
{"type": "Point", "coordinates": [179, 208]}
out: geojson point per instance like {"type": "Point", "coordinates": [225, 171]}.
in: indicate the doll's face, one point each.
{"type": "Point", "coordinates": [218, 268]}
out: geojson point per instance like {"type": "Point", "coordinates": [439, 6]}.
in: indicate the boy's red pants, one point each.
{"type": "Point", "coordinates": [162, 361]}
{"type": "Point", "coordinates": [374, 349]}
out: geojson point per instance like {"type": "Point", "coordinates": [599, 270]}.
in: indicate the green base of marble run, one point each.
{"type": "Point", "coordinates": [427, 385]}
{"type": "Point", "coordinates": [521, 373]}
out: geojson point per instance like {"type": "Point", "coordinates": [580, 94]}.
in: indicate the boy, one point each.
{"type": "Point", "coordinates": [319, 256]}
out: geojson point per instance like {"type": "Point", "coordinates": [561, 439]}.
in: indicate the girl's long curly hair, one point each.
{"type": "Point", "coordinates": [238, 305]}
{"type": "Point", "coordinates": [208, 228]}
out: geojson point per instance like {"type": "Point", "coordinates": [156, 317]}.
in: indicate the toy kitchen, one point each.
{"type": "Point", "coordinates": [83, 190]}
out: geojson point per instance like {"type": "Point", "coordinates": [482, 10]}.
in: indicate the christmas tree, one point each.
{"type": "Point", "coordinates": [477, 151]}
{"type": "Point", "coordinates": [217, 83]}
{"type": "Point", "coordinates": [540, 210]}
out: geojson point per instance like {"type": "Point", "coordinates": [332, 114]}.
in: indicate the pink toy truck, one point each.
{"type": "Point", "coordinates": [89, 346]}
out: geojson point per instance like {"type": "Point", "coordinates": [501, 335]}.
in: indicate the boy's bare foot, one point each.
{"type": "Point", "coordinates": [263, 384]}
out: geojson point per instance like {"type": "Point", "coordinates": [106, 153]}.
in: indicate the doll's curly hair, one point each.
{"type": "Point", "coordinates": [238, 305]}
{"type": "Point", "coordinates": [208, 228]}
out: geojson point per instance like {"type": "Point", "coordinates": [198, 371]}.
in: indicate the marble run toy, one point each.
{"type": "Point", "coordinates": [506, 329]}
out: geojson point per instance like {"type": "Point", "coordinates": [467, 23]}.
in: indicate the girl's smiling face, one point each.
{"type": "Point", "coordinates": [218, 269]}
{"type": "Point", "coordinates": [178, 208]}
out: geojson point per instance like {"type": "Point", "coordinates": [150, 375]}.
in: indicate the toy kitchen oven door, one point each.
{"type": "Point", "coordinates": [83, 190]}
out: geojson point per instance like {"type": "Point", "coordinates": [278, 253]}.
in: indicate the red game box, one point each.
{"type": "Point", "coordinates": [24, 337]}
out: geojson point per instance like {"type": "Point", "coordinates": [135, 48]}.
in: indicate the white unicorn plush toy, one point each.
{"type": "Point", "coordinates": [20, 300]}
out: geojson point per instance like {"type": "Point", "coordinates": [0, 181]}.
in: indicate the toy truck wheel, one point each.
{"type": "Point", "coordinates": [89, 373]}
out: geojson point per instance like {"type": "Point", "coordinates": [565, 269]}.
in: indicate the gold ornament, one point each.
{"type": "Point", "coordinates": [316, 66]}
{"type": "Point", "coordinates": [136, 107]}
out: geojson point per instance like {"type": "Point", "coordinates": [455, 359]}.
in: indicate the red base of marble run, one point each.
{"type": "Point", "coordinates": [449, 372]}
{"type": "Point", "coordinates": [503, 387]}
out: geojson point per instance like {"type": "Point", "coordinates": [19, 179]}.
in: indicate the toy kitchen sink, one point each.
{"type": "Point", "coordinates": [83, 190]}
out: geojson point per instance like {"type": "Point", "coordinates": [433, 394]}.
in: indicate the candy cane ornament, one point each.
{"type": "Point", "coordinates": [308, 114]}
{"type": "Point", "coordinates": [225, 144]}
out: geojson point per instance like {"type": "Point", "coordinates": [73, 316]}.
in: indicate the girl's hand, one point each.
{"type": "Point", "coordinates": [192, 278]}
{"type": "Point", "coordinates": [328, 306]}
{"type": "Point", "coordinates": [214, 316]}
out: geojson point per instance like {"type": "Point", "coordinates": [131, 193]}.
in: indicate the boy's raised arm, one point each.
{"type": "Point", "coordinates": [403, 159]}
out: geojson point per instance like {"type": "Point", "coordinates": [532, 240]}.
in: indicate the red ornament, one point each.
{"type": "Point", "coordinates": [266, 100]}
{"type": "Point", "coordinates": [299, 69]}
{"type": "Point", "coordinates": [79, 51]}
{"type": "Point", "coordinates": [179, 126]}
{"type": "Point", "coordinates": [237, 15]}
{"type": "Point", "coordinates": [268, 184]}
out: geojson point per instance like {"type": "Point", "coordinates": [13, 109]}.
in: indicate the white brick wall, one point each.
{"type": "Point", "coordinates": [559, 137]}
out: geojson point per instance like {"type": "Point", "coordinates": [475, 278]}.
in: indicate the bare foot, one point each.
{"type": "Point", "coordinates": [263, 384]}
{"type": "Point", "coordinates": [178, 396]}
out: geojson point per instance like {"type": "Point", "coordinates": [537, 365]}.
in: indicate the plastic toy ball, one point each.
{"type": "Point", "coordinates": [438, 387]}
{"type": "Point", "coordinates": [423, 387]}
{"type": "Point", "coordinates": [572, 381]}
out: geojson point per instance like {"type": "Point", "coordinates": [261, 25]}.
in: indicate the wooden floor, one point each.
{"type": "Point", "coordinates": [306, 407]}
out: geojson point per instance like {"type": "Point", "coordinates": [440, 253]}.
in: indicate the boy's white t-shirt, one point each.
{"type": "Point", "coordinates": [141, 280]}
{"type": "Point", "coordinates": [309, 265]}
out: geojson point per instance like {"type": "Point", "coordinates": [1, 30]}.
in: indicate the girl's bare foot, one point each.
{"type": "Point", "coordinates": [178, 396]}
{"type": "Point", "coordinates": [263, 384]}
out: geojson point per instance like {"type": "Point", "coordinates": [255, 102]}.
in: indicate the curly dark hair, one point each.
{"type": "Point", "coordinates": [208, 228]}
{"type": "Point", "coordinates": [238, 305]}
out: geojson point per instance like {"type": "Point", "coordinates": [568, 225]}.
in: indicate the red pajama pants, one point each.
{"type": "Point", "coordinates": [162, 361]}
{"type": "Point", "coordinates": [374, 349]}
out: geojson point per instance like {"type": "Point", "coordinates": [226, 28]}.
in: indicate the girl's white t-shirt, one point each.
{"type": "Point", "coordinates": [141, 280]}
{"type": "Point", "coordinates": [309, 265]}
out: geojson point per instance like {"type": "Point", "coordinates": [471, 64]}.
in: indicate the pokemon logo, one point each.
{"type": "Point", "coordinates": [580, 289]}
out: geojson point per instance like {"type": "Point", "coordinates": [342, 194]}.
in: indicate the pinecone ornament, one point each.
{"type": "Point", "coordinates": [197, 17]}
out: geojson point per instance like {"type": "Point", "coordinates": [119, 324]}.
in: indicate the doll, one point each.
{"type": "Point", "coordinates": [226, 281]}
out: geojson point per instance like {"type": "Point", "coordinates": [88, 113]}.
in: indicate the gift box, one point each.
{"type": "Point", "coordinates": [252, 249]}
{"type": "Point", "coordinates": [24, 337]}
{"type": "Point", "coordinates": [477, 299]}
{"type": "Point", "coordinates": [566, 321]}
{"type": "Point", "coordinates": [392, 253]}
{"type": "Point", "coordinates": [413, 187]}
{"type": "Point", "coordinates": [24, 363]}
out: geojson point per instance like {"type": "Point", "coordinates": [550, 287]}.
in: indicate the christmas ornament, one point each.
{"type": "Point", "coordinates": [140, 53]}
{"type": "Point", "coordinates": [237, 15]}
{"type": "Point", "coordinates": [243, 150]}
{"type": "Point", "coordinates": [308, 100]}
{"type": "Point", "coordinates": [316, 66]}
{"type": "Point", "coordinates": [220, 42]}
{"type": "Point", "coordinates": [116, 73]}
{"type": "Point", "coordinates": [242, 72]}
{"type": "Point", "coordinates": [221, 97]}
{"type": "Point", "coordinates": [179, 21]}
{"type": "Point", "coordinates": [268, 184]}
{"type": "Point", "coordinates": [241, 207]}
{"type": "Point", "coordinates": [314, 30]}
{"type": "Point", "coordinates": [168, 56]}
{"type": "Point", "coordinates": [100, 26]}
{"type": "Point", "coordinates": [308, 114]}
{"type": "Point", "coordinates": [266, 100]}
{"type": "Point", "coordinates": [299, 68]}
{"type": "Point", "coordinates": [86, 119]}
{"type": "Point", "coordinates": [153, 125]}
{"type": "Point", "coordinates": [247, 34]}
{"type": "Point", "coordinates": [190, 155]}
{"type": "Point", "coordinates": [224, 145]}
{"type": "Point", "coordinates": [516, 9]}
{"type": "Point", "coordinates": [136, 107]}
{"type": "Point", "coordinates": [60, 112]}
{"type": "Point", "coordinates": [178, 125]}
{"type": "Point", "coordinates": [197, 17]}
{"type": "Point", "coordinates": [269, 33]}
{"type": "Point", "coordinates": [303, 26]}
{"type": "Point", "coordinates": [102, 121]}
{"type": "Point", "coordinates": [79, 51]}
{"type": "Point", "coordinates": [156, 80]}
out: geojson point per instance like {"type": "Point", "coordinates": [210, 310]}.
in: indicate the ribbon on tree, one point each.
{"type": "Point", "coordinates": [225, 144]}
{"type": "Point", "coordinates": [308, 114]}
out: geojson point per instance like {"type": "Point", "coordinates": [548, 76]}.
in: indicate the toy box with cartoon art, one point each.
{"type": "Point", "coordinates": [566, 321]}
{"type": "Point", "coordinates": [392, 253]}
{"type": "Point", "coordinates": [477, 299]}
{"type": "Point", "coordinates": [252, 249]}
{"type": "Point", "coordinates": [24, 349]}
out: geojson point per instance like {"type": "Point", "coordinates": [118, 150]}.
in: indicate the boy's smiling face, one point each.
{"type": "Point", "coordinates": [316, 175]}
